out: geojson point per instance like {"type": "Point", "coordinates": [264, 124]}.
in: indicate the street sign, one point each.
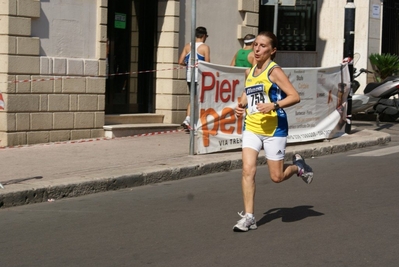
{"type": "Point", "coordinates": [280, 2]}
{"type": "Point", "coordinates": [120, 21]}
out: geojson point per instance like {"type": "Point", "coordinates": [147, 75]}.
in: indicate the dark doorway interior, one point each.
{"type": "Point", "coordinates": [118, 57]}
{"type": "Point", "coordinates": [118, 88]}
{"type": "Point", "coordinates": [147, 23]}
{"type": "Point", "coordinates": [390, 27]}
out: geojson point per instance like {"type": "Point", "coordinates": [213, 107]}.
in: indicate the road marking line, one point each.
{"type": "Point", "coordinates": [378, 152]}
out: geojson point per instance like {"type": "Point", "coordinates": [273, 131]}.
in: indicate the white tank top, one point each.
{"type": "Point", "coordinates": [198, 57]}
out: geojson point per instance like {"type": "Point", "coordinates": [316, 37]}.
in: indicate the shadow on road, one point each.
{"type": "Point", "coordinates": [288, 214]}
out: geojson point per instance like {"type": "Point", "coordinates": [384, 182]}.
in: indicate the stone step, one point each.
{"type": "Point", "coordinates": [112, 119]}
{"type": "Point", "coordinates": [123, 130]}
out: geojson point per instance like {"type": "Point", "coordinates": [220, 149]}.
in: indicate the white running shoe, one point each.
{"type": "Point", "coordinates": [304, 170]}
{"type": "Point", "coordinates": [245, 224]}
{"type": "Point", "coordinates": [186, 126]}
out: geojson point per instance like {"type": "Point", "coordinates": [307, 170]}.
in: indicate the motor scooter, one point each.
{"type": "Point", "coordinates": [379, 98]}
{"type": "Point", "coordinates": [387, 92]}
{"type": "Point", "coordinates": [361, 102]}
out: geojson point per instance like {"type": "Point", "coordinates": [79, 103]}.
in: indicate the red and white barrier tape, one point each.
{"type": "Point", "coordinates": [77, 77]}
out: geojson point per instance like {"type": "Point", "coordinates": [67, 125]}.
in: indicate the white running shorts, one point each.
{"type": "Point", "coordinates": [274, 146]}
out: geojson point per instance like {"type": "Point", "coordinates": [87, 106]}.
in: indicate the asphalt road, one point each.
{"type": "Point", "coordinates": [348, 216]}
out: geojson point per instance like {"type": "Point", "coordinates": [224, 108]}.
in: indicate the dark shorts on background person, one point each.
{"type": "Point", "coordinates": [189, 86]}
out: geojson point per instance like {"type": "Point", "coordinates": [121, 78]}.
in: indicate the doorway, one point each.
{"type": "Point", "coordinates": [118, 57]}
{"type": "Point", "coordinates": [131, 48]}
{"type": "Point", "coordinates": [390, 28]}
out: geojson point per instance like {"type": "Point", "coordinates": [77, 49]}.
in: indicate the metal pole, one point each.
{"type": "Point", "coordinates": [349, 42]}
{"type": "Point", "coordinates": [275, 17]}
{"type": "Point", "coordinates": [192, 66]}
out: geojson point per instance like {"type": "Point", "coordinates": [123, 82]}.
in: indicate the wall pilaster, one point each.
{"type": "Point", "coordinates": [171, 89]}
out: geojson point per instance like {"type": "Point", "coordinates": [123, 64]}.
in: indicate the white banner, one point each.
{"type": "Point", "coordinates": [321, 113]}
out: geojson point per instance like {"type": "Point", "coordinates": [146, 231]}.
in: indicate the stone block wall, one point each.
{"type": "Point", "coordinates": [47, 99]}
{"type": "Point", "coordinates": [250, 13]}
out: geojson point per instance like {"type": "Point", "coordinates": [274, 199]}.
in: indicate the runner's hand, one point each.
{"type": "Point", "coordinates": [265, 107]}
{"type": "Point", "coordinates": [239, 110]}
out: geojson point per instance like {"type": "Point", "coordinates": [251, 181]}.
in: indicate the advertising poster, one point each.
{"type": "Point", "coordinates": [321, 114]}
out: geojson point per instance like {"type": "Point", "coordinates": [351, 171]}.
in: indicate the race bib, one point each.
{"type": "Point", "coordinates": [255, 94]}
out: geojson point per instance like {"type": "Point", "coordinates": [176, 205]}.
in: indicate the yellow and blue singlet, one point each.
{"type": "Point", "coordinates": [260, 89]}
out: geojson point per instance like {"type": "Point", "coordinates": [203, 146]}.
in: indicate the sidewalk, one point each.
{"type": "Point", "coordinates": [40, 173]}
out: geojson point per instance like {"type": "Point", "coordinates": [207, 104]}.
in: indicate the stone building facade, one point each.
{"type": "Point", "coordinates": [55, 72]}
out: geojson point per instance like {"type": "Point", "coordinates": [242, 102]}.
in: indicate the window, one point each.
{"type": "Point", "coordinates": [296, 25]}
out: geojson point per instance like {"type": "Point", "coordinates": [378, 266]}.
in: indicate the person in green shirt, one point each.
{"type": "Point", "coordinates": [245, 56]}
